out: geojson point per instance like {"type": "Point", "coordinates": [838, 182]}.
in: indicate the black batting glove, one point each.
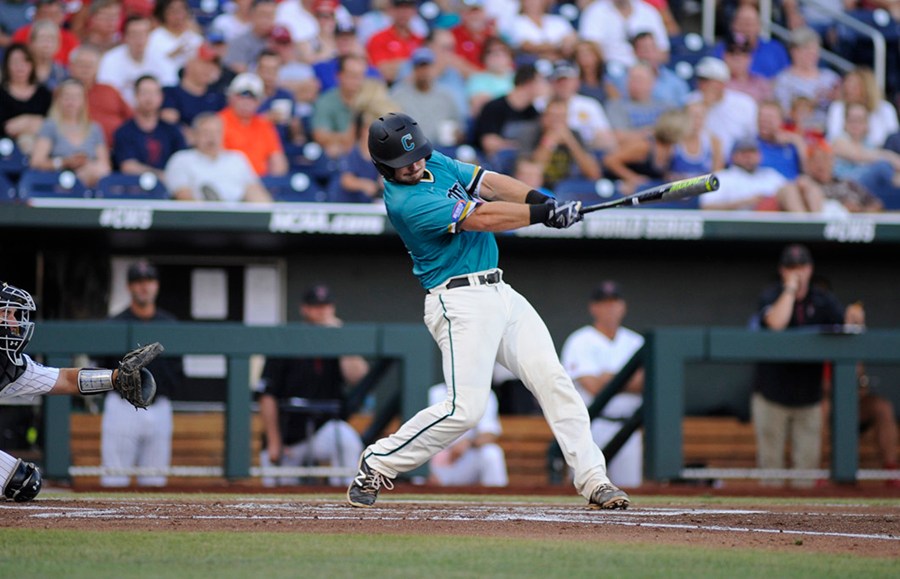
{"type": "Point", "coordinates": [564, 215]}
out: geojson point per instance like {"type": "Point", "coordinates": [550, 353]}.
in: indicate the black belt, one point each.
{"type": "Point", "coordinates": [464, 281]}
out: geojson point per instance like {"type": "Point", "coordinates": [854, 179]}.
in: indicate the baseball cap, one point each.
{"type": "Point", "coordinates": [141, 270]}
{"type": "Point", "coordinates": [795, 254]}
{"type": "Point", "coordinates": [564, 69]}
{"type": "Point", "coordinates": [712, 68]}
{"type": "Point", "coordinates": [422, 55]}
{"type": "Point", "coordinates": [215, 36]}
{"type": "Point", "coordinates": [325, 6]}
{"type": "Point", "coordinates": [607, 290]}
{"type": "Point", "coordinates": [247, 84]}
{"type": "Point", "coordinates": [344, 28]}
{"type": "Point", "coordinates": [745, 144]}
{"type": "Point", "coordinates": [318, 295]}
{"type": "Point", "coordinates": [280, 34]}
{"type": "Point", "coordinates": [207, 53]}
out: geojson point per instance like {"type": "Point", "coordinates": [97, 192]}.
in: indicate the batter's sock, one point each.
{"type": "Point", "coordinates": [7, 466]}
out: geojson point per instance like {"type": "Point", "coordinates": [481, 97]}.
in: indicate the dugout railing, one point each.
{"type": "Point", "coordinates": [666, 355]}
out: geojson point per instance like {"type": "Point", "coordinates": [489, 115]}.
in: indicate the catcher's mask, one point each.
{"type": "Point", "coordinates": [16, 306]}
{"type": "Point", "coordinates": [395, 141]}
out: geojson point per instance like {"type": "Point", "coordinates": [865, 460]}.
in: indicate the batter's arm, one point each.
{"type": "Point", "coordinates": [497, 216]}
{"type": "Point", "coordinates": [499, 187]}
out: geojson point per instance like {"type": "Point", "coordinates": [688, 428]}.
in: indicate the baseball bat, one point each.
{"type": "Point", "coordinates": [672, 191]}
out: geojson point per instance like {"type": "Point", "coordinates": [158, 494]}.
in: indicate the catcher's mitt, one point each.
{"type": "Point", "coordinates": [133, 381]}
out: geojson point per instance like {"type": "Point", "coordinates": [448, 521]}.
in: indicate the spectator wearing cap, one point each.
{"type": "Point", "coordinates": [144, 439]}
{"type": "Point", "coordinates": [174, 40]}
{"type": "Point", "coordinates": [194, 94]}
{"type": "Point", "coordinates": [251, 133]}
{"type": "Point", "coordinates": [504, 121]}
{"type": "Point", "coordinates": [737, 55]}
{"type": "Point", "coordinates": [234, 23]}
{"type": "Point", "coordinates": [634, 114]}
{"type": "Point", "coordinates": [593, 355]}
{"type": "Point", "coordinates": [747, 185]}
{"type": "Point", "coordinates": [611, 23]}
{"type": "Point", "coordinates": [346, 43]}
{"type": "Point", "coordinates": [332, 121]}
{"type": "Point", "coordinates": [804, 77]}
{"type": "Point", "coordinates": [668, 87]}
{"type": "Point", "coordinates": [246, 48]}
{"type": "Point", "coordinates": [446, 66]}
{"type": "Point", "coordinates": [538, 33]}
{"type": "Point", "coordinates": [102, 28]}
{"type": "Point", "coordinates": [419, 96]}
{"type": "Point", "coordinates": [787, 397]}
{"type": "Point", "coordinates": [121, 66]}
{"type": "Point", "coordinates": [106, 107]}
{"type": "Point", "coordinates": [55, 12]}
{"type": "Point", "coordinates": [146, 142]}
{"type": "Point", "coordinates": [768, 57]}
{"type": "Point", "coordinates": [557, 147]}
{"type": "Point", "coordinates": [208, 172]}
{"type": "Point", "coordinates": [471, 33]}
{"type": "Point", "coordinates": [389, 48]}
{"type": "Point", "coordinates": [496, 80]}
{"type": "Point", "coordinates": [586, 115]}
{"type": "Point", "coordinates": [313, 433]}
{"type": "Point", "coordinates": [730, 115]}
{"type": "Point", "coordinates": [278, 103]}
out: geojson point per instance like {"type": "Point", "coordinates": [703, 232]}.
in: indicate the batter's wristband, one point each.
{"type": "Point", "coordinates": [94, 381]}
{"type": "Point", "coordinates": [539, 213]}
{"type": "Point", "coordinates": [535, 197]}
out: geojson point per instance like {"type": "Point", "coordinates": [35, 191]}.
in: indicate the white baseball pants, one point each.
{"type": "Point", "coordinates": [475, 326]}
{"type": "Point", "coordinates": [133, 437]}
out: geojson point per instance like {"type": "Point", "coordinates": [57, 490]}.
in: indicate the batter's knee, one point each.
{"type": "Point", "coordinates": [25, 482]}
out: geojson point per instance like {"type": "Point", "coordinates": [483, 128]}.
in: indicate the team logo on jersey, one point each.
{"type": "Point", "coordinates": [457, 191]}
{"type": "Point", "coordinates": [407, 142]}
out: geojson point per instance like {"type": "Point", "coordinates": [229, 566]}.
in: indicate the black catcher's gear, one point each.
{"type": "Point", "coordinates": [16, 328]}
{"type": "Point", "coordinates": [24, 483]}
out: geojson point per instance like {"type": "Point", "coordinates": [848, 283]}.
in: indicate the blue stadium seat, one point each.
{"type": "Point", "coordinates": [337, 194]}
{"type": "Point", "coordinates": [311, 160]}
{"type": "Point", "coordinates": [12, 161]}
{"type": "Point", "coordinates": [7, 190]}
{"type": "Point", "coordinates": [685, 52]}
{"type": "Point", "coordinates": [587, 191]}
{"type": "Point", "coordinates": [298, 187]}
{"type": "Point", "coordinates": [63, 184]}
{"type": "Point", "coordinates": [121, 186]}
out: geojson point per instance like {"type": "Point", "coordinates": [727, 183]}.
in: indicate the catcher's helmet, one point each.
{"type": "Point", "coordinates": [396, 140]}
{"type": "Point", "coordinates": [16, 306]}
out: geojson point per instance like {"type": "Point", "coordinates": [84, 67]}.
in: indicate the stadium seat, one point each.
{"type": "Point", "coordinates": [298, 187]}
{"type": "Point", "coordinates": [12, 161]}
{"type": "Point", "coordinates": [685, 52]}
{"type": "Point", "coordinates": [7, 190]}
{"type": "Point", "coordinates": [587, 191]}
{"type": "Point", "coordinates": [337, 194]}
{"type": "Point", "coordinates": [63, 184]}
{"type": "Point", "coordinates": [311, 160]}
{"type": "Point", "coordinates": [121, 186]}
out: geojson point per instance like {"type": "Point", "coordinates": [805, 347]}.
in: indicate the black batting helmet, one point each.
{"type": "Point", "coordinates": [16, 327]}
{"type": "Point", "coordinates": [396, 140]}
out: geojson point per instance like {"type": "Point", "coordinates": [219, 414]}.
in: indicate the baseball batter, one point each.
{"type": "Point", "coordinates": [23, 378]}
{"type": "Point", "coordinates": [446, 212]}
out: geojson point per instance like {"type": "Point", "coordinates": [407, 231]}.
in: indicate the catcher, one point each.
{"type": "Point", "coordinates": [21, 377]}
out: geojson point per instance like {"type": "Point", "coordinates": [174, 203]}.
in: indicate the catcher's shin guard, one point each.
{"type": "Point", "coordinates": [25, 482]}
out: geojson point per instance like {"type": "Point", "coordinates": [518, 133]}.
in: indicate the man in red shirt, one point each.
{"type": "Point", "coordinates": [54, 11]}
{"type": "Point", "coordinates": [393, 46]}
{"type": "Point", "coordinates": [471, 34]}
{"type": "Point", "coordinates": [251, 133]}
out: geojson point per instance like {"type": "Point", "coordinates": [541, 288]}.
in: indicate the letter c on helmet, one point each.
{"type": "Point", "coordinates": [407, 142]}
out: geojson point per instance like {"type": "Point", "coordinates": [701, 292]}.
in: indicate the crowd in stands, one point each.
{"type": "Point", "coordinates": [191, 91]}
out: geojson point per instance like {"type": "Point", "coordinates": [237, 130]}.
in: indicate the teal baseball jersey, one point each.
{"type": "Point", "coordinates": [428, 216]}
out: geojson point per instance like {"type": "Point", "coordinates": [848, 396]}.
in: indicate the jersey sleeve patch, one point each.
{"type": "Point", "coordinates": [461, 210]}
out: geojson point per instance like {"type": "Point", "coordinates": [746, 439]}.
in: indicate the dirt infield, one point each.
{"type": "Point", "coordinates": [817, 525]}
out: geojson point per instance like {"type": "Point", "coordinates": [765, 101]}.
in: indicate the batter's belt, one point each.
{"type": "Point", "coordinates": [490, 277]}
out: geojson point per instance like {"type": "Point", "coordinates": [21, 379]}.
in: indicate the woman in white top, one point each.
{"type": "Point", "coordinates": [540, 34]}
{"type": "Point", "coordinates": [174, 40]}
{"type": "Point", "coordinates": [860, 87]}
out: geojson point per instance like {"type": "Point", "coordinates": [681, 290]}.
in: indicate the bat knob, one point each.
{"type": "Point", "coordinates": [712, 183]}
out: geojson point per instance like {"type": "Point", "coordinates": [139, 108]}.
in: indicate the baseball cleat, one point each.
{"type": "Point", "coordinates": [363, 491]}
{"type": "Point", "coordinates": [608, 496]}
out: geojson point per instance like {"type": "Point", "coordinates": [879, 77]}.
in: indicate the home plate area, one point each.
{"type": "Point", "coordinates": [860, 529]}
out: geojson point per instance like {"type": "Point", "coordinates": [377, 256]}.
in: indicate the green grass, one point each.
{"type": "Point", "coordinates": [222, 555]}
